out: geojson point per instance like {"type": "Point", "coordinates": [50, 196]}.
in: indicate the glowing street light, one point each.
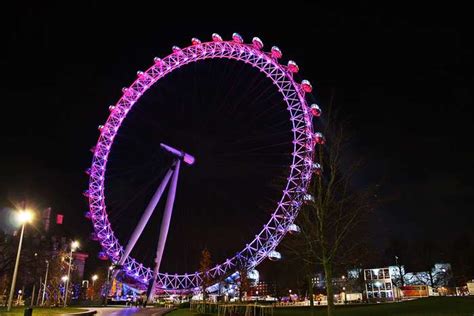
{"type": "Point", "coordinates": [74, 246]}
{"type": "Point", "coordinates": [64, 278]}
{"type": "Point", "coordinates": [94, 278]}
{"type": "Point", "coordinates": [24, 217]}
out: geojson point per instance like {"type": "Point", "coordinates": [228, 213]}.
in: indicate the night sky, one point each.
{"type": "Point", "coordinates": [400, 76]}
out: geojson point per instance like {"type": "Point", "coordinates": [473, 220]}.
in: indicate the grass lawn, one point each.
{"type": "Point", "coordinates": [434, 306]}
{"type": "Point", "coordinates": [39, 311]}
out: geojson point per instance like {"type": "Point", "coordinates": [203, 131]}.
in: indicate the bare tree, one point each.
{"type": "Point", "coordinates": [244, 282]}
{"type": "Point", "coordinates": [57, 269]}
{"type": "Point", "coordinates": [330, 222]}
{"type": "Point", "coordinates": [204, 266]}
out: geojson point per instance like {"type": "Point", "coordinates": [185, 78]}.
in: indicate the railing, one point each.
{"type": "Point", "coordinates": [244, 309]}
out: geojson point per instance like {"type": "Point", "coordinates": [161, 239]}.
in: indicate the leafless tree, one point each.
{"type": "Point", "coordinates": [330, 223]}
{"type": "Point", "coordinates": [244, 282]}
{"type": "Point", "coordinates": [204, 266]}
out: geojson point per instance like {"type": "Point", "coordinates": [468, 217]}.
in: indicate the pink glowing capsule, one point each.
{"type": "Point", "coordinates": [315, 110]}
{"type": "Point", "coordinates": [257, 43]}
{"type": "Point", "coordinates": [276, 52]}
{"type": "Point", "coordinates": [306, 86]}
{"type": "Point", "coordinates": [216, 37]}
{"type": "Point", "coordinates": [237, 38]}
{"type": "Point", "coordinates": [293, 67]}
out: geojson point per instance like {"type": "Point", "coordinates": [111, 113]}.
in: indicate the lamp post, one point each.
{"type": "Point", "coordinates": [107, 284]}
{"type": "Point", "coordinates": [45, 283]}
{"type": "Point", "coordinates": [94, 278]}
{"type": "Point", "coordinates": [23, 217]}
{"type": "Point", "coordinates": [74, 246]}
{"type": "Point", "coordinates": [64, 278]}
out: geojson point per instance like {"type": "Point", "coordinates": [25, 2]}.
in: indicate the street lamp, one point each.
{"type": "Point", "coordinates": [23, 217]}
{"type": "Point", "coordinates": [107, 288]}
{"type": "Point", "coordinates": [94, 278]}
{"type": "Point", "coordinates": [74, 246]}
{"type": "Point", "coordinates": [45, 283]}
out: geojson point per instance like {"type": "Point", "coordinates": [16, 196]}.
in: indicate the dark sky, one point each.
{"type": "Point", "coordinates": [401, 77]}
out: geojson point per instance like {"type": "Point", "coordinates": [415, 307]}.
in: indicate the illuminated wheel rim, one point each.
{"type": "Point", "coordinates": [301, 168]}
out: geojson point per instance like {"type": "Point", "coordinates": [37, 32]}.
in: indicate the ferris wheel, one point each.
{"type": "Point", "coordinates": [293, 196]}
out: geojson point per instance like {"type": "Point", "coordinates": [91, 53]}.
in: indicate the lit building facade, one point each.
{"type": "Point", "coordinates": [379, 285]}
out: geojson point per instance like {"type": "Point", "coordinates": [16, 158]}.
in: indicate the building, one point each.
{"type": "Point", "coordinates": [261, 288]}
{"type": "Point", "coordinates": [379, 284]}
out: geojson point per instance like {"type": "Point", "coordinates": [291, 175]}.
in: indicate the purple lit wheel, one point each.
{"type": "Point", "coordinates": [301, 169]}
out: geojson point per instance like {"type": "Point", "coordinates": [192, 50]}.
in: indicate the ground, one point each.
{"type": "Point", "coordinates": [436, 306]}
{"type": "Point", "coordinates": [38, 311]}
{"type": "Point", "coordinates": [101, 311]}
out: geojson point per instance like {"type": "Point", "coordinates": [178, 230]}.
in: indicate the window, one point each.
{"type": "Point", "coordinates": [368, 275]}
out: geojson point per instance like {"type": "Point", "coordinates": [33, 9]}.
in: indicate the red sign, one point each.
{"type": "Point", "coordinates": [59, 219]}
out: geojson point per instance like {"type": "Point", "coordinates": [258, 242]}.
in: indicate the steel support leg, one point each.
{"type": "Point", "coordinates": [165, 224]}
{"type": "Point", "coordinates": [145, 217]}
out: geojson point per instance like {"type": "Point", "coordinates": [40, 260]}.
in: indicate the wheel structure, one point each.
{"type": "Point", "coordinates": [294, 193]}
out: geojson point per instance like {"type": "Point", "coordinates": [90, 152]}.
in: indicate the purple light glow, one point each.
{"type": "Point", "coordinates": [301, 167]}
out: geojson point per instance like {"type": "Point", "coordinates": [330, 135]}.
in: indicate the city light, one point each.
{"type": "Point", "coordinates": [25, 216]}
{"type": "Point", "coordinates": [64, 278]}
{"type": "Point", "coordinates": [74, 245]}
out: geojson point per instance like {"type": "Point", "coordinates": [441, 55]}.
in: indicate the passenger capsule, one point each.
{"type": "Point", "coordinates": [257, 43]}
{"type": "Point", "coordinates": [88, 215]}
{"type": "Point", "coordinates": [93, 236]}
{"type": "Point", "coordinates": [317, 168]}
{"type": "Point", "coordinates": [111, 108]}
{"type": "Point", "coordinates": [294, 229]}
{"type": "Point", "coordinates": [319, 138]}
{"type": "Point", "coordinates": [293, 67]}
{"type": "Point", "coordinates": [176, 49]}
{"type": "Point", "coordinates": [306, 86]}
{"type": "Point", "coordinates": [216, 37]}
{"type": "Point", "coordinates": [195, 41]}
{"type": "Point", "coordinates": [315, 110]}
{"type": "Point", "coordinates": [88, 171]}
{"type": "Point", "coordinates": [86, 193]}
{"type": "Point", "coordinates": [100, 127]}
{"type": "Point", "coordinates": [157, 61]}
{"type": "Point", "coordinates": [102, 256]}
{"type": "Point", "coordinates": [274, 255]}
{"type": "Point", "coordinates": [308, 197]}
{"type": "Point", "coordinates": [237, 38]}
{"type": "Point", "coordinates": [276, 52]}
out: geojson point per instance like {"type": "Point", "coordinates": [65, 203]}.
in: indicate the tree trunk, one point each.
{"type": "Point", "coordinates": [329, 286]}
{"type": "Point", "coordinates": [311, 294]}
